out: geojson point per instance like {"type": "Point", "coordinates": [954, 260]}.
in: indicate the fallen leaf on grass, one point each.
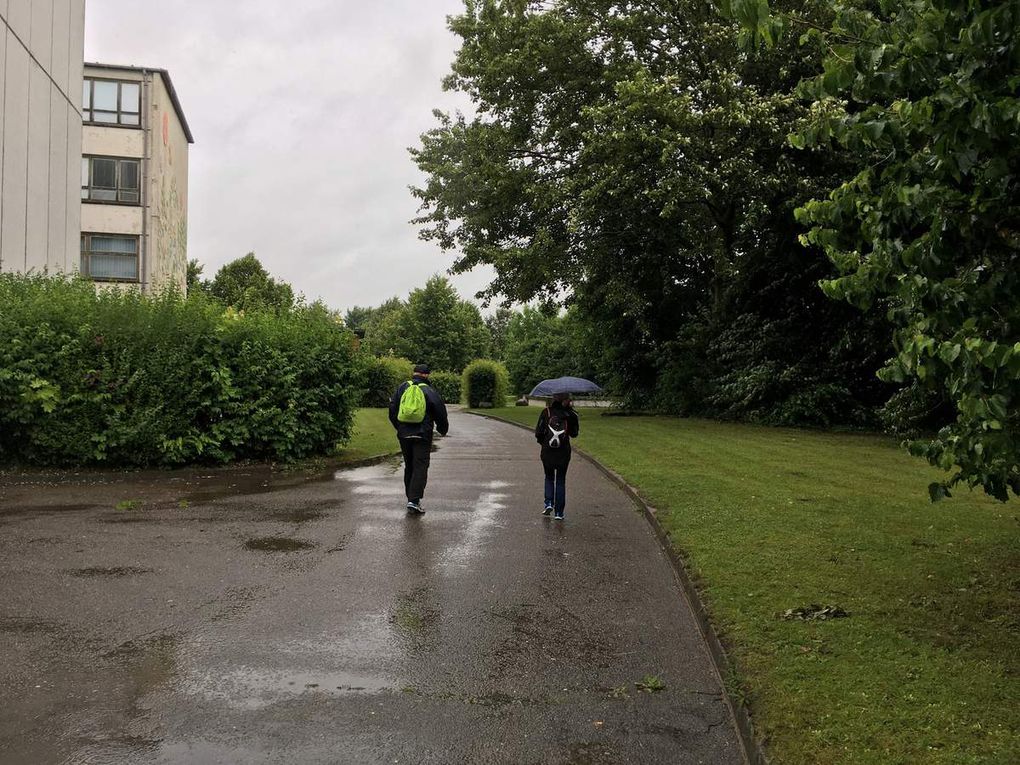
{"type": "Point", "coordinates": [815, 612]}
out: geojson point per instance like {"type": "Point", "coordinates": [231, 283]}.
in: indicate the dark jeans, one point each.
{"type": "Point", "coordinates": [556, 485]}
{"type": "Point", "coordinates": [417, 453]}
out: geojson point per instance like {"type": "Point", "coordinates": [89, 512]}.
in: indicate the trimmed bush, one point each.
{"type": "Point", "coordinates": [485, 382]}
{"type": "Point", "coordinates": [116, 378]}
{"type": "Point", "coordinates": [382, 378]}
{"type": "Point", "coordinates": [448, 385]}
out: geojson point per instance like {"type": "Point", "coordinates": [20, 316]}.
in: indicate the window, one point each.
{"type": "Point", "coordinates": [108, 257]}
{"type": "Point", "coordinates": [108, 179]}
{"type": "Point", "coordinates": [109, 102]}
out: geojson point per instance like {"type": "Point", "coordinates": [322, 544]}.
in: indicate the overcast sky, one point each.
{"type": "Point", "coordinates": [302, 112]}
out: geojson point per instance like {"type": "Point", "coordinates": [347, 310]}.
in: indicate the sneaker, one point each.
{"type": "Point", "coordinates": [415, 508]}
{"type": "Point", "coordinates": [548, 510]}
{"type": "Point", "coordinates": [559, 515]}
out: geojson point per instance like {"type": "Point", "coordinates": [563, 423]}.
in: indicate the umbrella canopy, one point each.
{"type": "Point", "coordinates": [565, 385]}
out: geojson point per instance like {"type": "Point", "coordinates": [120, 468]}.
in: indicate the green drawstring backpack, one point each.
{"type": "Point", "coordinates": [412, 404]}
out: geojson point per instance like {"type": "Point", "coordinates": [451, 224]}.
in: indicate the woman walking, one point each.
{"type": "Point", "coordinates": [557, 424]}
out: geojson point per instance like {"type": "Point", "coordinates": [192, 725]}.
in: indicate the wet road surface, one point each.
{"type": "Point", "coordinates": [259, 618]}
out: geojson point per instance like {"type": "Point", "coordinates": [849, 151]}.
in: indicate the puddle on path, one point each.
{"type": "Point", "coordinates": [113, 572]}
{"type": "Point", "coordinates": [370, 473]}
{"type": "Point", "coordinates": [229, 485]}
{"type": "Point", "coordinates": [195, 750]}
{"type": "Point", "coordinates": [341, 543]}
{"type": "Point", "coordinates": [119, 750]}
{"type": "Point", "coordinates": [131, 519]}
{"type": "Point", "coordinates": [382, 490]}
{"type": "Point", "coordinates": [484, 516]}
{"type": "Point", "coordinates": [299, 515]}
{"type": "Point", "coordinates": [381, 480]}
{"type": "Point", "coordinates": [253, 688]}
{"type": "Point", "coordinates": [236, 601]}
{"type": "Point", "coordinates": [362, 647]}
{"type": "Point", "coordinates": [277, 544]}
{"type": "Point", "coordinates": [149, 662]}
{"type": "Point", "coordinates": [47, 541]}
{"type": "Point", "coordinates": [93, 712]}
{"type": "Point", "coordinates": [27, 626]}
{"type": "Point", "coordinates": [77, 507]}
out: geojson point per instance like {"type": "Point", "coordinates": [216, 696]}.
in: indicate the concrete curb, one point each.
{"type": "Point", "coordinates": [753, 751]}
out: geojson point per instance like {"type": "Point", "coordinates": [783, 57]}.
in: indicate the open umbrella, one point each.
{"type": "Point", "coordinates": [573, 385]}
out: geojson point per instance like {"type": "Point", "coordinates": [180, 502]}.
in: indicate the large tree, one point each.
{"type": "Point", "coordinates": [498, 323]}
{"type": "Point", "coordinates": [357, 319]}
{"type": "Point", "coordinates": [194, 281]}
{"type": "Point", "coordinates": [541, 345]}
{"type": "Point", "coordinates": [631, 158]}
{"type": "Point", "coordinates": [931, 227]}
{"type": "Point", "coordinates": [245, 285]}
{"type": "Point", "coordinates": [434, 326]}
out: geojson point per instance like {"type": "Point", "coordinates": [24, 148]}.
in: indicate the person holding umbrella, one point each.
{"type": "Point", "coordinates": [557, 424]}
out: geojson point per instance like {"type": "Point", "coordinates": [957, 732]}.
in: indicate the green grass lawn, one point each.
{"type": "Point", "coordinates": [924, 670]}
{"type": "Point", "coordinates": [373, 437]}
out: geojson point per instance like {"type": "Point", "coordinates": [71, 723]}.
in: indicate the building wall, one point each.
{"type": "Point", "coordinates": [113, 142]}
{"type": "Point", "coordinates": [162, 218]}
{"type": "Point", "coordinates": [169, 193]}
{"type": "Point", "coordinates": [41, 53]}
{"type": "Point", "coordinates": [112, 219]}
{"type": "Point", "coordinates": [105, 141]}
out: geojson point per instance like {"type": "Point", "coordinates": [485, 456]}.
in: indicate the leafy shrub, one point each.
{"type": "Point", "coordinates": [448, 384]}
{"type": "Point", "coordinates": [485, 382]}
{"type": "Point", "coordinates": [751, 369]}
{"type": "Point", "coordinates": [539, 347]}
{"type": "Point", "coordinates": [824, 404]}
{"type": "Point", "coordinates": [915, 411]}
{"type": "Point", "coordinates": [382, 378]}
{"type": "Point", "coordinates": [117, 378]}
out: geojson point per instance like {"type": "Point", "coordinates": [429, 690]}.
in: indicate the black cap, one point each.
{"type": "Point", "coordinates": [421, 369]}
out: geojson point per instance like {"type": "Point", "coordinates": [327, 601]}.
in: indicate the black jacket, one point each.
{"type": "Point", "coordinates": [435, 413]}
{"type": "Point", "coordinates": [573, 428]}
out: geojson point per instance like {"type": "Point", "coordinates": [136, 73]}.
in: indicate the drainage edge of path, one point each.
{"type": "Point", "coordinates": [30, 475]}
{"type": "Point", "coordinates": [754, 754]}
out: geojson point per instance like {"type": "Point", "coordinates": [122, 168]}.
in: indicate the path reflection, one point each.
{"type": "Point", "coordinates": [415, 615]}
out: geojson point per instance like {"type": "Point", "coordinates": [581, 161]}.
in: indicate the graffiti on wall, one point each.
{"type": "Point", "coordinates": [169, 267]}
{"type": "Point", "coordinates": [171, 236]}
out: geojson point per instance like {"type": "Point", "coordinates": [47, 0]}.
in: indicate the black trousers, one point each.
{"type": "Point", "coordinates": [417, 454]}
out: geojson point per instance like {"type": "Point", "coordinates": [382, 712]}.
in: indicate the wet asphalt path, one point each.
{"type": "Point", "coordinates": [258, 618]}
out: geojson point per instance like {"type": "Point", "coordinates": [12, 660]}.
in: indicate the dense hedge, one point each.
{"type": "Point", "coordinates": [448, 384]}
{"type": "Point", "coordinates": [385, 374]}
{"type": "Point", "coordinates": [485, 382]}
{"type": "Point", "coordinates": [382, 377]}
{"type": "Point", "coordinates": [120, 379]}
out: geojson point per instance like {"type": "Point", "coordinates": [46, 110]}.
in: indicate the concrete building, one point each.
{"type": "Point", "coordinates": [41, 50]}
{"type": "Point", "coordinates": [134, 178]}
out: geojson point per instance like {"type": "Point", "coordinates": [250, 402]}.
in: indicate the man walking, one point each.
{"type": "Point", "coordinates": [415, 409]}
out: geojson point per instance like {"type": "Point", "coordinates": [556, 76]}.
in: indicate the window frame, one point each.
{"type": "Point", "coordinates": [91, 182]}
{"type": "Point", "coordinates": [88, 113]}
{"type": "Point", "coordinates": [86, 255]}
